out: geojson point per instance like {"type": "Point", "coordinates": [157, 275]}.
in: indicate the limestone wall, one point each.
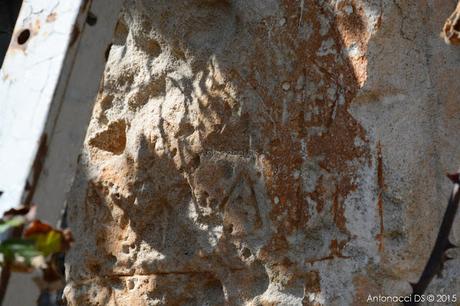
{"type": "Point", "coordinates": [267, 152]}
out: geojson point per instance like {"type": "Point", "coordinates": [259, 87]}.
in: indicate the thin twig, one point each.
{"type": "Point", "coordinates": [438, 255]}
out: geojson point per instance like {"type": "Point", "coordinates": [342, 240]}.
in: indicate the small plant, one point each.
{"type": "Point", "coordinates": [29, 245]}
{"type": "Point", "coordinates": [38, 241]}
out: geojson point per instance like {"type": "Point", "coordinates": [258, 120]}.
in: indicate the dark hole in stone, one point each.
{"type": "Point", "coordinates": [91, 19]}
{"type": "Point", "coordinates": [94, 268]}
{"type": "Point", "coordinates": [213, 203]}
{"type": "Point", "coordinates": [214, 291]}
{"type": "Point", "coordinates": [1, 192]}
{"type": "Point", "coordinates": [225, 200]}
{"type": "Point", "coordinates": [23, 37]}
{"type": "Point", "coordinates": [246, 253]}
{"type": "Point", "coordinates": [195, 162]}
{"type": "Point", "coordinates": [229, 228]}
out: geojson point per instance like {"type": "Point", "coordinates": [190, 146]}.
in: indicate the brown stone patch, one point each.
{"type": "Point", "coordinates": [112, 139]}
{"type": "Point", "coordinates": [312, 286]}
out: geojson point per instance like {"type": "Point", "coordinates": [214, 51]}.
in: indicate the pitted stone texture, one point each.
{"type": "Point", "coordinates": [264, 153]}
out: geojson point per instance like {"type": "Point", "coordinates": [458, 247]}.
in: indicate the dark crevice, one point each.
{"type": "Point", "coordinates": [91, 19]}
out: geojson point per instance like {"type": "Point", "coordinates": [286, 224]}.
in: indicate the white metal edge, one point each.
{"type": "Point", "coordinates": [73, 118]}
{"type": "Point", "coordinates": [47, 87]}
{"type": "Point", "coordinates": [28, 80]}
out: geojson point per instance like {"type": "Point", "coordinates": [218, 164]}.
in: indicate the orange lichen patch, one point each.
{"type": "Point", "coordinates": [351, 23]}
{"type": "Point", "coordinates": [352, 26]}
{"type": "Point", "coordinates": [337, 144]}
{"type": "Point", "coordinates": [112, 139]}
{"type": "Point", "coordinates": [285, 155]}
{"type": "Point", "coordinates": [381, 186]}
{"type": "Point", "coordinates": [451, 29]}
{"type": "Point", "coordinates": [338, 149]}
{"type": "Point", "coordinates": [303, 124]}
{"type": "Point", "coordinates": [360, 66]}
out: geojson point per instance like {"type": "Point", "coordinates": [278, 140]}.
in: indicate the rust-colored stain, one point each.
{"type": "Point", "coordinates": [353, 30]}
{"type": "Point", "coordinates": [313, 281]}
{"type": "Point", "coordinates": [301, 125]}
{"type": "Point", "coordinates": [51, 17]}
{"type": "Point", "coordinates": [335, 252]}
{"type": "Point", "coordinates": [312, 285]}
{"type": "Point", "coordinates": [35, 28]}
{"type": "Point", "coordinates": [304, 90]}
{"type": "Point", "coordinates": [317, 194]}
{"type": "Point", "coordinates": [338, 211]}
{"type": "Point", "coordinates": [381, 186]}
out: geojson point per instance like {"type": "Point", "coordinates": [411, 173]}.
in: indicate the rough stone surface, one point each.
{"type": "Point", "coordinates": [267, 152]}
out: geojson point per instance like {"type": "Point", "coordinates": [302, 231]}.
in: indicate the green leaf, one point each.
{"type": "Point", "coordinates": [19, 247]}
{"type": "Point", "coordinates": [6, 225]}
{"type": "Point", "coordinates": [48, 243]}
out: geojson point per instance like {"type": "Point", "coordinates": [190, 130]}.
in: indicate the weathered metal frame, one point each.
{"type": "Point", "coordinates": [48, 84]}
